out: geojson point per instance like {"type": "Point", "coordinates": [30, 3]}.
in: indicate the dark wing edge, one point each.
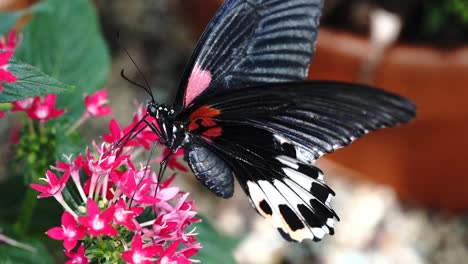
{"type": "Point", "coordinates": [250, 42]}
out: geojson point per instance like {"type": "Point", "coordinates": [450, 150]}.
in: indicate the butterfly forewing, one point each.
{"type": "Point", "coordinates": [250, 42]}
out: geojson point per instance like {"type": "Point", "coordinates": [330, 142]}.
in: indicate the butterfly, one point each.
{"type": "Point", "coordinates": [243, 111]}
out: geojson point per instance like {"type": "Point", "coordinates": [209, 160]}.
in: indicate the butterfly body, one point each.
{"type": "Point", "coordinates": [170, 131]}
{"type": "Point", "coordinates": [244, 111]}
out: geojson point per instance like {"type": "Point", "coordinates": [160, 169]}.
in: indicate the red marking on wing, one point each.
{"type": "Point", "coordinates": [213, 132]}
{"type": "Point", "coordinates": [203, 118]}
{"type": "Point", "coordinates": [205, 112]}
{"type": "Point", "coordinates": [199, 80]}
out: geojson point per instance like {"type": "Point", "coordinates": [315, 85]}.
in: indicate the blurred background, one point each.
{"type": "Point", "coordinates": [402, 194]}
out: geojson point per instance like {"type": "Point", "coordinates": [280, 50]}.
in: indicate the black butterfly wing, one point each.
{"type": "Point", "coordinates": [250, 42]}
{"type": "Point", "coordinates": [269, 137]}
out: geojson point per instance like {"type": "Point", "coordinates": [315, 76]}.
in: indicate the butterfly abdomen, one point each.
{"type": "Point", "coordinates": [210, 170]}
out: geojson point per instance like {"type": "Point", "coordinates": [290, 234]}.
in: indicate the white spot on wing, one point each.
{"type": "Point", "coordinates": [300, 178]}
{"type": "Point", "coordinates": [257, 195]}
{"type": "Point", "coordinates": [319, 232]}
{"type": "Point", "coordinates": [294, 200]}
{"type": "Point", "coordinates": [288, 161]}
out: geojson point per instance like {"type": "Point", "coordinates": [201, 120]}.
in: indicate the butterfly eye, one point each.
{"type": "Point", "coordinates": [152, 110]}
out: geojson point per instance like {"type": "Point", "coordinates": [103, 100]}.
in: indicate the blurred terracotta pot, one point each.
{"type": "Point", "coordinates": [14, 5]}
{"type": "Point", "coordinates": [425, 161]}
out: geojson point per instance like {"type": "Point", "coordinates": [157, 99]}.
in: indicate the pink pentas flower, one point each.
{"type": "Point", "coordinates": [98, 223]}
{"type": "Point", "coordinates": [126, 216]}
{"type": "Point", "coordinates": [77, 257]}
{"type": "Point", "coordinates": [2, 114]}
{"type": "Point", "coordinates": [23, 105]}
{"type": "Point", "coordinates": [145, 136]}
{"type": "Point", "coordinates": [43, 110]}
{"type": "Point", "coordinates": [106, 161]}
{"type": "Point", "coordinates": [54, 185]}
{"type": "Point", "coordinates": [95, 103]}
{"type": "Point", "coordinates": [170, 256]}
{"type": "Point", "coordinates": [139, 192]}
{"type": "Point", "coordinates": [5, 75]}
{"type": "Point", "coordinates": [116, 134]}
{"type": "Point", "coordinates": [171, 225]}
{"type": "Point", "coordinates": [11, 42]}
{"type": "Point", "coordinates": [70, 232]}
{"type": "Point", "coordinates": [73, 167]}
{"type": "Point", "coordinates": [127, 138]}
{"type": "Point", "coordinates": [139, 254]}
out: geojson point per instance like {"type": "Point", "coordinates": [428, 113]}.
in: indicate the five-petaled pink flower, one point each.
{"type": "Point", "coordinates": [5, 75]}
{"type": "Point", "coordinates": [95, 103]}
{"type": "Point", "coordinates": [116, 134]}
{"type": "Point", "coordinates": [23, 105]}
{"type": "Point", "coordinates": [69, 232]}
{"type": "Point", "coordinates": [11, 42]}
{"type": "Point", "coordinates": [139, 255]}
{"type": "Point", "coordinates": [140, 192]}
{"type": "Point", "coordinates": [44, 110]}
{"type": "Point", "coordinates": [144, 138]}
{"type": "Point", "coordinates": [170, 256]}
{"type": "Point", "coordinates": [126, 217]}
{"type": "Point", "coordinates": [77, 257]}
{"type": "Point", "coordinates": [98, 223]}
{"type": "Point", "coordinates": [54, 185]}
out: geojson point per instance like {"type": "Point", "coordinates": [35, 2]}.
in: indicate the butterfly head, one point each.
{"type": "Point", "coordinates": [159, 111]}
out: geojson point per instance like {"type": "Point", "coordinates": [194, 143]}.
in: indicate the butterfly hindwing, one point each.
{"type": "Point", "coordinates": [248, 43]}
{"type": "Point", "coordinates": [270, 137]}
{"type": "Point", "coordinates": [289, 193]}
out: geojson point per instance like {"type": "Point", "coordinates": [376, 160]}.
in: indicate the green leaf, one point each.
{"type": "Point", "coordinates": [15, 254]}
{"type": "Point", "coordinates": [31, 82]}
{"type": "Point", "coordinates": [46, 214]}
{"type": "Point", "coordinates": [216, 247]}
{"type": "Point", "coordinates": [8, 19]}
{"type": "Point", "coordinates": [65, 42]}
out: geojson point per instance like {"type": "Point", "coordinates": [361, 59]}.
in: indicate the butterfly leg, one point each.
{"type": "Point", "coordinates": [147, 167]}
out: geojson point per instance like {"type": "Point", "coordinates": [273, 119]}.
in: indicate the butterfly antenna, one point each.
{"type": "Point", "coordinates": [147, 88]}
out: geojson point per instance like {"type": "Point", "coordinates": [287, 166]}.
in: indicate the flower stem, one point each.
{"type": "Point", "coordinates": [26, 211]}
{"type": "Point", "coordinates": [77, 124]}
{"type": "Point", "coordinates": [31, 127]}
{"type": "Point", "coordinates": [12, 242]}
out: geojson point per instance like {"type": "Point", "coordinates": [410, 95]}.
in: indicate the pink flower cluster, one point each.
{"type": "Point", "coordinates": [7, 48]}
{"type": "Point", "coordinates": [146, 221]}
{"type": "Point", "coordinates": [5, 75]}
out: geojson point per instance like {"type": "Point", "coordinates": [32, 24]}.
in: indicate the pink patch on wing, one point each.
{"type": "Point", "coordinates": [199, 80]}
